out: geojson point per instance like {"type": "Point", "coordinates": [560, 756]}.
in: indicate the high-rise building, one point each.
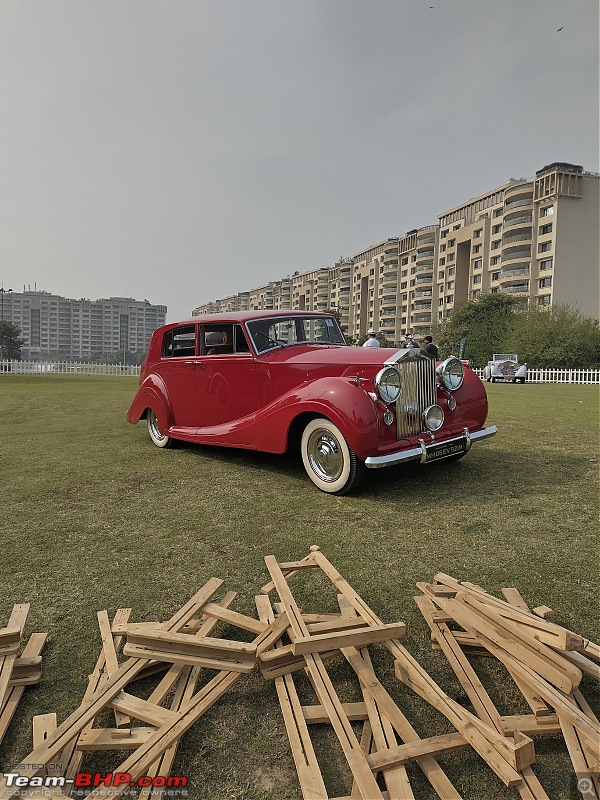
{"type": "Point", "coordinates": [57, 327]}
{"type": "Point", "coordinates": [534, 238]}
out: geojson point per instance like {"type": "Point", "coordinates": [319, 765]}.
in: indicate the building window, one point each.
{"type": "Point", "coordinates": [477, 248]}
{"type": "Point", "coordinates": [456, 227]}
{"type": "Point", "coordinates": [477, 264]}
{"type": "Point", "coordinates": [544, 300]}
{"type": "Point", "coordinates": [547, 211]}
{"type": "Point", "coordinates": [544, 247]}
{"type": "Point", "coordinates": [449, 298]}
{"type": "Point", "coordinates": [442, 248]}
{"type": "Point", "coordinates": [441, 301]}
{"type": "Point", "coordinates": [545, 282]}
{"type": "Point", "coordinates": [444, 233]}
{"type": "Point", "coordinates": [495, 276]}
{"type": "Point", "coordinates": [440, 275]}
{"type": "Point", "coordinates": [496, 244]}
{"type": "Point", "coordinates": [546, 264]}
{"type": "Point", "coordinates": [404, 272]}
{"type": "Point", "coordinates": [450, 285]}
{"type": "Point", "coordinates": [494, 290]}
{"type": "Point", "coordinates": [403, 285]}
{"type": "Point", "coordinates": [442, 262]}
{"type": "Point", "coordinates": [477, 233]}
{"type": "Point", "coordinates": [476, 294]}
{"type": "Point", "coordinates": [451, 242]}
{"type": "Point", "coordinates": [495, 260]}
{"type": "Point", "coordinates": [404, 261]}
{"type": "Point", "coordinates": [450, 257]}
{"type": "Point", "coordinates": [451, 271]}
{"type": "Point", "coordinates": [545, 229]}
{"type": "Point", "coordinates": [498, 212]}
{"type": "Point", "coordinates": [497, 229]}
{"type": "Point", "coordinates": [476, 279]}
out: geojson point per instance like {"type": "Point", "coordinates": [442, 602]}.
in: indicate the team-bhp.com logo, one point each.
{"type": "Point", "coordinates": [92, 780]}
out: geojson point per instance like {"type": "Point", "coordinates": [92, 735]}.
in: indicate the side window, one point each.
{"type": "Point", "coordinates": [180, 342]}
{"type": "Point", "coordinates": [216, 340]}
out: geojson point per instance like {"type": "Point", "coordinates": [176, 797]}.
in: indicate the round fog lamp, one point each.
{"type": "Point", "coordinates": [451, 373]}
{"type": "Point", "coordinates": [433, 417]}
{"type": "Point", "coordinates": [388, 384]}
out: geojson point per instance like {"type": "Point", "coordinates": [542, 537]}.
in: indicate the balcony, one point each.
{"type": "Point", "coordinates": [518, 288]}
{"type": "Point", "coordinates": [522, 201]}
{"type": "Point", "coordinates": [422, 318]}
{"type": "Point", "coordinates": [516, 254]}
{"type": "Point", "coordinates": [518, 220]}
{"type": "Point", "coordinates": [426, 265]}
{"type": "Point", "coordinates": [424, 293]}
{"type": "Point", "coordinates": [425, 252]}
{"type": "Point", "coordinates": [423, 306]}
{"type": "Point", "coordinates": [512, 273]}
{"type": "Point", "coordinates": [421, 281]}
{"type": "Point", "coordinates": [519, 236]}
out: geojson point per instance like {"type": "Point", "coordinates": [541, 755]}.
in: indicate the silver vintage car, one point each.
{"type": "Point", "coordinates": [505, 367]}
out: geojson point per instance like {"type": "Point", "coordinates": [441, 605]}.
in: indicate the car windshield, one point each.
{"type": "Point", "coordinates": [280, 331]}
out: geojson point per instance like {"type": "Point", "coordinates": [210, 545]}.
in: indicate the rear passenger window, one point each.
{"type": "Point", "coordinates": [241, 345]}
{"type": "Point", "coordinates": [180, 342]}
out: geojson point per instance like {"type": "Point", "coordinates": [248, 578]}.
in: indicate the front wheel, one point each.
{"type": "Point", "coordinates": [328, 459]}
{"type": "Point", "coordinates": [159, 439]}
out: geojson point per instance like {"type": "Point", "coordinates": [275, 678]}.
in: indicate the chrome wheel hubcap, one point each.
{"type": "Point", "coordinates": [325, 456]}
{"type": "Point", "coordinates": [153, 422]}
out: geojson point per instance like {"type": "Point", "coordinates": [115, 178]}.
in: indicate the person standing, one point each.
{"type": "Point", "coordinates": [372, 341]}
{"type": "Point", "coordinates": [430, 348]}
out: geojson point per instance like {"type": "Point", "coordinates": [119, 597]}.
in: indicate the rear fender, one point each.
{"type": "Point", "coordinates": [347, 405]}
{"type": "Point", "coordinates": [152, 394]}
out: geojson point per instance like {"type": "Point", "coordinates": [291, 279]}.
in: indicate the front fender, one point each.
{"type": "Point", "coordinates": [522, 371]}
{"type": "Point", "coordinates": [339, 399]}
{"type": "Point", "coordinates": [152, 394]}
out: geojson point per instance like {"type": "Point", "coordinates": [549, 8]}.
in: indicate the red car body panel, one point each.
{"type": "Point", "coordinates": [251, 400]}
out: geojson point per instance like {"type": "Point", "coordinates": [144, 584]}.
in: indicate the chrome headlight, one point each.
{"type": "Point", "coordinates": [388, 384]}
{"type": "Point", "coordinates": [433, 417]}
{"type": "Point", "coordinates": [451, 372]}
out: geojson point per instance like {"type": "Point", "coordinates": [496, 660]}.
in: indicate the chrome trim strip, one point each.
{"type": "Point", "coordinates": [417, 453]}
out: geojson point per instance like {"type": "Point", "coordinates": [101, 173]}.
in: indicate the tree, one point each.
{"type": "Point", "coordinates": [10, 341]}
{"type": "Point", "coordinates": [486, 322]}
{"type": "Point", "coordinates": [555, 336]}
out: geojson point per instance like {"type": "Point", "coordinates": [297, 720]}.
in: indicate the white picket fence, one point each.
{"type": "Point", "coordinates": [591, 376]}
{"type": "Point", "coordinates": [588, 376]}
{"type": "Point", "coordinates": [67, 368]}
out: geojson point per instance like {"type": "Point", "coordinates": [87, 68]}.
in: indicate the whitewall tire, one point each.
{"type": "Point", "coordinates": [159, 439]}
{"type": "Point", "coordinates": [328, 459]}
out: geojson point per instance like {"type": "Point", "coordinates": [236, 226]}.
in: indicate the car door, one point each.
{"type": "Point", "coordinates": [177, 368]}
{"type": "Point", "coordinates": [227, 384]}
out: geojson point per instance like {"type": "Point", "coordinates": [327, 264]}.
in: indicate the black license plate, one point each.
{"type": "Point", "coordinates": [446, 449]}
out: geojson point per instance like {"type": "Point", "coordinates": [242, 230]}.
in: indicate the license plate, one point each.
{"type": "Point", "coordinates": [446, 449]}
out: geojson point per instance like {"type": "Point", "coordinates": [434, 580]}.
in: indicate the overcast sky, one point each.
{"type": "Point", "coordinates": [185, 150]}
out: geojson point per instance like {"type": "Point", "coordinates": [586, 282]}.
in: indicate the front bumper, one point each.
{"type": "Point", "coordinates": [442, 449]}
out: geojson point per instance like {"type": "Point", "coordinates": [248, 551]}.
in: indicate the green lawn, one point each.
{"type": "Point", "coordinates": [93, 516]}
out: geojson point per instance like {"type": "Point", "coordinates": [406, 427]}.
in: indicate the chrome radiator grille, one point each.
{"type": "Point", "coordinates": [418, 392]}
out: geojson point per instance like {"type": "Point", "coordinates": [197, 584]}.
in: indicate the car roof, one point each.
{"type": "Point", "coordinates": [245, 316]}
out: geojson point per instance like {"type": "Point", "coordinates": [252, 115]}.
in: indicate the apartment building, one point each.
{"type": "Point", "coordinates": [536, 239]}
{"type": "Point", "coordinates": [58, 327]}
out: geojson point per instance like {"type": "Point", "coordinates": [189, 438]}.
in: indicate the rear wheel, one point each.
{"type": "Point", "coordinates": [159, 439]}
{"type": "Point", "coordinates": [328, 459]}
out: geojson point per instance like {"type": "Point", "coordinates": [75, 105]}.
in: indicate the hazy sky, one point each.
{"type": "Point", "coordinates": [185, 150]}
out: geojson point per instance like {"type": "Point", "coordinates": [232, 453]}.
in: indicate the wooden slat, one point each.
{"type": "Point", "coordinates": [502, 756]}
{"type": "Point", "coordinates": [325, 691]}
{"type": "Point", "coordinates": [233, 618]}
{"type": "Point", "coordinates": [350, 638]}
{"type": "Point", "coordinates": [305, 760]}
{"type": "Point", "coordinates": [105, 739]}
{"type": "Point", "coordinates": [43, 725]}
{"type": "Point", "coordinates": [71, 726]}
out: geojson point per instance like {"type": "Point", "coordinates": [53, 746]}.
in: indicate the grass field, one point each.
{"type": "Point", "coordinates": [93, 516]}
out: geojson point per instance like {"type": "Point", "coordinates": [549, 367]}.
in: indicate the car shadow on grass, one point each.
{"type": "Point", "coordinates": [497, 474]}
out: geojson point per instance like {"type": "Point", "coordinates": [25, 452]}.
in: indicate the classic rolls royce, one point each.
{"type": "Point", "coordinates": [275, 380]}
{"type": "Point", "coordinates": [505, 367]}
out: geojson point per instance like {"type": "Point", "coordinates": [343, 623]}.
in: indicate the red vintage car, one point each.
{"type": "Point", "coordinates": [273, 380]}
